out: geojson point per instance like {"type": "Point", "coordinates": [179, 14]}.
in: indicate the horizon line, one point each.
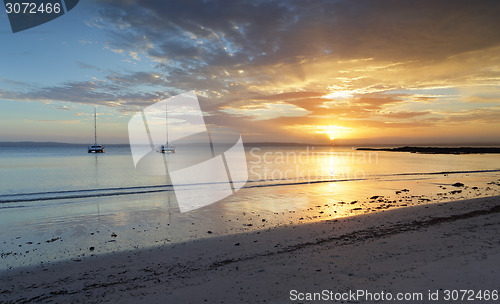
{"type": "Point", "coordinates": [271, 143]}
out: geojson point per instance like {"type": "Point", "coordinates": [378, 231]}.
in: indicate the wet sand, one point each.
{"type": "Point", "coordinates": [450, 245]}
{"type": "Point", "coordinates": [58, 231]}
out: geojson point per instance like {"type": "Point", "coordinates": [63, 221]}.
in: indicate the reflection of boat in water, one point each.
{"type": "Point", "coordinates": [95, 148]}
{"type": "Point", "coordinates": [168, 148]}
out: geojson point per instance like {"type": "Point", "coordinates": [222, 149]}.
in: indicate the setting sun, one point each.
{"type": "Point", "coordinates": [333, 131]}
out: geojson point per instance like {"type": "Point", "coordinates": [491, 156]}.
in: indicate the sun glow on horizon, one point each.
{"type": "Point", "coordinates": [333, 131]}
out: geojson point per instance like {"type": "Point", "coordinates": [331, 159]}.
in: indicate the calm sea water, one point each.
{"type": "Point", "coordinates": [56, 203]}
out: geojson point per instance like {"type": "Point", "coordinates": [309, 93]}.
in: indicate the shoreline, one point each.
{"type": "Point", "coordinates": [171, 272]}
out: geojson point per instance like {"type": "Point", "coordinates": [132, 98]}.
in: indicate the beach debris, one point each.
{"type": "Point", "coordinates": [458, 185]}
{"type": "Point", "coordinates": [209, 231]}
{"type": "Point", "coordinates": [91, 248]}
{"type": "Point", "coordinates": [263, 220]}
{"type": "Point", "coordinates": [53, 240]}
{"type": "Point", "coordinates": [398, 192]}
{"type": "Point", "coordinates": [375, 197]}
{"type": "Point", "coordinates": [474, 188]}
{"type": "Point", "coordinates": [114, 234]}
{"type": "Point", "coordinates": [353, 202]}
{"type": "Point", "coordinates": [405, 190]}
{"type": "Point", "coordinates": [237, 244]}
{"type": "Point", "coordinates": [455, 191]}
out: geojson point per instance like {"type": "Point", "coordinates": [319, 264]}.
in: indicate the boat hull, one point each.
{"type": "Point", "coordinates": [98, 149]}
{"type": "Point", "coordinates": [168, 150]}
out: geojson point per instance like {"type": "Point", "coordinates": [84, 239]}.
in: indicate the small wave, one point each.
{"type": "Point", "coordinates": [83, 190]}
{"type": "Point", "coordinates": [134, 190]}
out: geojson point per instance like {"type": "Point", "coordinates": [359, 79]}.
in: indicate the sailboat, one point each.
{"type": "Point", "coordinates": [95, 148]}
{"type": "Point", "coordinates": [168, 148]}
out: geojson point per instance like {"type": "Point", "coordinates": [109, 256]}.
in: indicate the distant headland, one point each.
{"type": "Point", "coordinates": [438, 150]}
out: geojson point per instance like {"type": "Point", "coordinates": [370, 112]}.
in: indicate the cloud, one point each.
{"type": "Point", "coordinates": [491, 115]}
{"type": "Point", "coordinates": [59, 107]}
{"type": "Point", "coordinates": [261, 66]}
{"type": "Point", "coordinates": [267, 111]}
{"type": "Point", "coordinates": [137, 79]}
{"type": "Point", "coordinates": [405, 115]}
{"type": "Point", "coordinates": [266, 32]}
{"type": "Point", "coordinates": [51, 122]}
{"type": "Point", "coordinates": [124, 91]}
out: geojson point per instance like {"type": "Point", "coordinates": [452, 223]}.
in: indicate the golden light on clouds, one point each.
{"type": "Point", "coordinates": [340, 95]}
{"type": "Point", "coordinates": [268, 110]}
{"type": "Point", "coordinates": [283, 71]}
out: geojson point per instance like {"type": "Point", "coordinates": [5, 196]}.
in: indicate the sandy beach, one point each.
{"type": "Point", "coordinates": [436, 247]}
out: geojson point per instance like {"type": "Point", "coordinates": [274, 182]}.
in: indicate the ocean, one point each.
{"type": "Point", "coordinates": [61, 203]}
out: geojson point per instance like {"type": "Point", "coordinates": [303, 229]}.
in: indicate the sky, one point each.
{"type": "Point", "coordinates": [342, 72]}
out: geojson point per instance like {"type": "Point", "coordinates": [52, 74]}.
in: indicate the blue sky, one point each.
{"type": "Point", "coordinates": [295, 71]}
{"type": "Point", "coordinates": [67, 49]}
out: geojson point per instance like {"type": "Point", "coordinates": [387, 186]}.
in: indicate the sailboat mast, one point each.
{"type": "Point", "coordinates": [95, 128]}
{"type": "Point", "coordinates": [166, 121]}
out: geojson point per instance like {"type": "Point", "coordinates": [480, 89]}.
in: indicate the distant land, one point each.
{"type": "Point", "coordinates": [438, 150]}
{"type": "Point", "coordinates": [342, 143]}
{"type": "Point", "coordinates": [46, 144]}
{"type": "Point", "coordinates": [447, 149]}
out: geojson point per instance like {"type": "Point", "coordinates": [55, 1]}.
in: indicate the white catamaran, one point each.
{"type": "Point", "coordinates": [168, 148]}
{"type": "Point", "coordinates": [95, 148]}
